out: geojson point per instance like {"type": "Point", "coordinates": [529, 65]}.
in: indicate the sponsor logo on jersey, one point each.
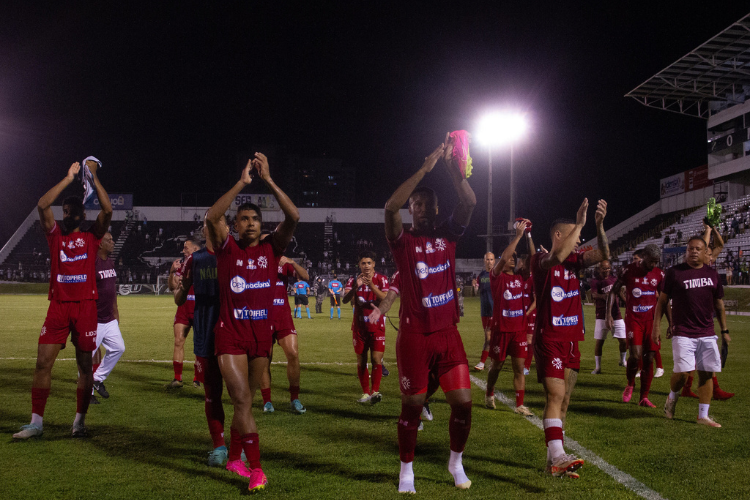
{"type": "Point", "coordinates": [564, 320]}
{"type": "Point", "coordinates": [698, 283]}
{"type": "Point", "coordinates": [423, 270]}
{"type": "Point", "coordinates": [279, 283]}
{"type": "Point", "coordinates": [512, 314]}
{"type": "Point", "coordinates": [191, 297]}
{"type": "Point", "coordinates": [558, 294]}
{"type": "Point", "coordinates": [637, 292]}
{"type": "Point", "coordinates": [250, 314]}
{"type": "Point", "coordinates": [239, 285]}
{"type": "Point", "coordinates": [508, 295]}
{"type": "Point", "coordinates": [279, 302]}
{"type": "Point", "coordinates": [71, 278]}
{"type": "Point", "coordinates": [65, 258]}
{"type": "Point", "coordinates": [642, 309]}
{"type": "Point", "coordinates": [107, 273]}
{"type": "Point", "coordinates": [437, 300]}
{"type": "Point", "coordinates": [428, 248]}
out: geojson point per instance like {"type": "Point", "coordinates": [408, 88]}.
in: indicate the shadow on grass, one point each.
{"type": "Point", "coordinates": [619, 412]}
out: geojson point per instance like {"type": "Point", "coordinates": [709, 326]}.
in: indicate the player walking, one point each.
{"type": "Point", "coordinates": [301, 289]}
{"type": "Point", "coordinates": [247, 272]}
{"type": "Point", "coordinates": [508, 324]}
{"type": "Point", "coordinates": [72, 295]}
{"type": "Point", "coordinates": [696, 294]}
{"type": "Point", "coordinates": [428, 339]}
{"type": "Point", "coordinates": [366, 291]}
{"type": "Point", "coordinates": [559, 325]}
{"type": "Point", "coordinates": [183, 319]}
{"type": "Point", "coordinates": [485, 306]}
{"type": "Point", "coordinates": [334, 288]}
{"type": "Point", "coordinates": [600, 288]}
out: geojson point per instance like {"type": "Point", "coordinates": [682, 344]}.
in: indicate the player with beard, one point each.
{"type": "Point", "coordinates": [696, 294]}
{"type": "Point", "coordinates": [642, 282]}
{"type": "Point", "coordinates": [428, 338]}
{"type": "Point", "coordinates": [183, 319]}
{"type": "Point", "coordinates": [508, 324]}
{"type": "Point", "coordinates": [366, 291]}
{"type": "Point", "coordinates": [72, 296]}
{"type": "Point", "coordinates": [559, 325]}
{"type": "Point", "coordinates": [601, 285]}
{"type": "Point", "coordinates": [486, 306]}
{"type": "Point", "coordinates": [247, 271]}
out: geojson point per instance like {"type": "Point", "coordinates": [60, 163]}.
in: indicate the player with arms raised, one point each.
{"type": "Point", "coordinates": [72, 295]}
{"type": "Point", "coordinates": [428, 338]}
{"type": "Point", "coordinates": [247, 273]}
{"type": "Point", "coordinates": [559, 325]}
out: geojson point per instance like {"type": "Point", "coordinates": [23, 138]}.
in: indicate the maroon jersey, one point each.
{"type": "Point", "coordinates": [247, 285]}
{"type": "Point", "coordinates": [72, 265]}
{"type": "Point", "coordinates": [281, 312]}
{"type": "Point", "coordinates": [528, 299]}
{"type": "Point", "coordinates": [558, 299]}
{"type": "Point", "coordinates": [604, 286]}
{"type": "Point", "coordinates": [507, 296]}
{"type": "Point", "coordinates": [427, 263]}
{"type": "Point", "coordinates": [364, 299]}
{"type": "Point", "coordinates": [106, 286]}
{"type": "Point", "coordinates": [395, 284]}
{"type": "Point", "coordinates": [693, 292]}
{"type": "Point", "coordinates": [642, 289]}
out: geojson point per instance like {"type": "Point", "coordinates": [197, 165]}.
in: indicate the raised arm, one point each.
{"type": "Point", "coordinates": [285, 230]}
{"type": "Point", "coordinates": [558, 256]}
{"type": "Point", "coordinates": [718, 244]}
{"type": "Point", "coordinates": [44, 206]}
{"type": "Point", "coordinates": [602, 252]}
{"type": "Point", "coordinates": [301, 271]}
{"type": "Point", "coordinates": [352, 291]}
{"type": "Point", "coordinates": [213, 216]}
{"type": "Point", "coordinates": [467, 200]}
{"type": "Point", "coordinates": [393, 224]}
{"type": "Point", "coordinates": [510, 249]}
{"type": "Point", "coordinates": [99, 229]}
{"type": "Point", "coordinates": [530, 241]}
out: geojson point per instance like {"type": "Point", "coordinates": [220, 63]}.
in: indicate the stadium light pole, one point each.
{"type": "Point", "coordinates": [498, 129]}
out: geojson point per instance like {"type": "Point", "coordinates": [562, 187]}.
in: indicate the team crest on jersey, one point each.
{"type": "Point", "coordinates": [263, 262]}
{"type": "Point", "coordinates": [44, 330]}
{"type": "Point", "coordinates": [653, 282]}
{"type": "Point", "coordinates": [440, 244]}
{"type": "Point", "coordinates": [428, 248]}
{"type": "Point", "coordinates": [557, 363]}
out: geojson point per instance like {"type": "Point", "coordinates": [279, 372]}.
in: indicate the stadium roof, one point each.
{"type": "Point", "coordinates": [716, 72]}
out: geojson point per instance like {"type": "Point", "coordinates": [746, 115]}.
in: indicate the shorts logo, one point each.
{"type": "Point", "coordinates": [239, 285]}
{"type": "Point", "coordinates": [65, 258]}
{"type": "Point", "coordinates": [564, 320]}
{"type": "Point", "coordinates": [90, 334]}
{"type": "Point", "coordinates": [557, 363]}
{"type": "Point", "coordinates": [558, 294]}
{"type": "Point", "coordinates": [437, 300]}
{"type": "Point", "coordinates": [405, 383]}
{"type": "Point", "coordinates": [44, 330]}
{"type": "Point", "coordinates": [71, 278]}
{"type": "Point", "coordinates": [630, 334]}
{"type": "Point", "coordinates": [250, 314]}
{"type": "Point", "coordinates": [496, 349]}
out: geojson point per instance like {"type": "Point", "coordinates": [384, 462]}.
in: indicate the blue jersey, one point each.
{"type": "Point", "coordinates": [335, 286]}
{"type": "Point", "coordinates": [206, 287]}
{"type": "Point", "coordinates": [485, 294]}
{"type": "Point", "coordinates": [301, 287]}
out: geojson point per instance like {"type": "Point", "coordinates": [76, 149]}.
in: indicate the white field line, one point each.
{"type": "Point", "coordinates": [589, 456]}
{"type": "Point", "coordinates": [311, 363]}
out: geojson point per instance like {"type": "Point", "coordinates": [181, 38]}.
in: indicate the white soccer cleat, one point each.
{"type": "Point", "coordinates": [28, 431]}
{"type": "Point", "coordinates": [638, 375]}
{"type": "Point", "coordinates": [708, 421]}
{"type": "Point", "coordinates": [659, 372]}
{"type": "Point", "coordinates": [364, 399]}
{"type": "Point", "coordinates": [489, 402]}
{"type": "Point", "coordinates": [523, 410]}
{"type": "Point", "coordinates": [479, 367]}
{"type": "Point", "coordinates": [426, 412]}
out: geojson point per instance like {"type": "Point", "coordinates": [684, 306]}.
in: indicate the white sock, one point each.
{"type": "Point", "coordinates": [80, 419]}
{"type": "Point", "coordinates": [598, 362]}
{"type": "Point", "coordinates": [622, 357]}
{"type": "Point", "coordinates": [674, 395]}
{"type": "Point", "coordinates": [703, 410]}
{"type": "Point", "coordinates": [406, 478]}
{"type": "Point", "coordinates": [37, 419]}
{"type": "Point", "coordinates": [456, 468]}
{"type": "Point", "coordinates": [554, 447]}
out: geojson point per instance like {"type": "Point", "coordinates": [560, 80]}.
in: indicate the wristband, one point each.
{"type": "Point", "coordinates": [725, 331]}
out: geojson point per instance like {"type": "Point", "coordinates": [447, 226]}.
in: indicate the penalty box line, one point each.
{"type": "Point", "coordinates": [589, 456]}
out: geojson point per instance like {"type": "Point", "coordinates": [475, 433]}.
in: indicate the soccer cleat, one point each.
{"type": "Point", "coordinates": [94, 400]}
{"type": "Point", "coordinates": [364, 399]}
{"type": "Point", "coordinates": [258, 481]}
{"type": "Point", "coordinates": [385, 371]}
{"type": "Point", "coordinates": [376, 397]}
{"type": "Point", "coordinates": [479, 367]}
{"type": "Point", "coordinates": [688, 393]}
{"type": "Point", "coordinates": [174, 384]}
{"type": "Point", "coordinates": [79, 431]}
{"type": "Point", "coordinates": [217, 457]}
{"type": "Point", "coordinates": [564, 464]}
{"type": "Point", "coordinates": [721, 395]}
{"type": "Point", "coordinates": [421, 426]}
{"type": "Point", "coordinates": [597, 371]}
{"type": "Point", "coordinates": [196, 384]}
{"type": "Point", "coordinates": [708, 421]}
{"type": "Point", "coordinates": [426, 412]}
{"type": "Point", "coordinates": [627, 394]}
{"type": "Point", "coordinates": [621, 363]}
{"type": "Point", "coordinates": [268, 408]}
{"type": "Point", "coordinates": [523, 410]}
{"type": "Point", "coordinates": [29, 431]}
{"type": "Point", "coordinates": [406, 485]}
{"type": "Point", "coordinates": [645, 402]}
{"type": "Point", "coordinates": [99, 387]}
{"type": "Point", "coordinates": [638, 375]}
{"type": "Point", "coordinates": [669, 408]}
{"type": "Point", "coordinates": [489, 402]}
{"type": "Point", "coordinates": [238, 467]}
{"type": "Point", "coordinates": [659, 372]}
{"type": "Point", "coordinates": [571, 475]}
{"type": "Point", "coordinates": [297, 407]}
{"type": "Point", "coordinates": [526, 371]}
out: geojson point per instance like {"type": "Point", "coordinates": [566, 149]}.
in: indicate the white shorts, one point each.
{"type": "Point", "coordinates": [600, 331]}
{"type": "Point", "coordinates": [700, 354]}
{"type": "Point", "coordinates": [109, 332]}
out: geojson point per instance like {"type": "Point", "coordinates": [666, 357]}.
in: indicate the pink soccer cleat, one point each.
{"type": "Point", "coordinates": [258, 481]}
{"type": "Point", "coordinates": [239, 467]}
{"type": "Point", "coordinates": [627, 394]}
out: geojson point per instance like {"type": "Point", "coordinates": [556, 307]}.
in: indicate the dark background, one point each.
{"type": "Point", "coordinates": [171, 97]}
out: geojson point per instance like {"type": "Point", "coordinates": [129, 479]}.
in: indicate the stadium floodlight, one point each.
{"type": "Point", "coordinates": [498, 129]}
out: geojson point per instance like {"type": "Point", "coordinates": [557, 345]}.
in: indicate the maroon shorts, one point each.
{"type": "Point", "coordinates": [504, 344]}
{"type": "Point", "coordinates": [486, 322]}
{"type": "Point", "coordinates": [280, 334]}
{"type": "Point", "coordinates": [418, 354]}
{"type": "Point", "coordinates": [363, 340]}
{"type": "Point", "coordinates": [552, 358]}
{"type": "Point", "coordinates": [75, 318]}
{"type": "Point", "coordinates": [225, 342]}
{"type": "Point", "coordinates": [207, 370]}
{"type": "Point", "coordinates": [183, 316]}
{"type": "Point", "coordinates": [640, 334]}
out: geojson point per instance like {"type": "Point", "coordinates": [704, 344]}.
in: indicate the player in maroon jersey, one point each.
{"type": "Point", "coordinates": [286, 335]}
{"type": "Point", "coordinates": [508, 324]}
{"type": "Point", "coordinates": [559, 325]}
{"type": "Point", "coordinates": [642, 282]}
{"type": "Point", "coordinates": [428, 338]}
{"type": "Point", "coordinates": [366, 291]}
{"type": "Point", "coordinates": [529, 297]}
{"type": "Point", "coordinates": [696, 294]}
{"type": "Point", "coordinates": [247, 272]}
{"type": "Point", "coordinates": [600, 288]}
{"type": "Point", "coordinates": [72, 295]}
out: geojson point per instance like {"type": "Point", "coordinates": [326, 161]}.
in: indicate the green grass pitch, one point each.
{"type": "Point", "coordinates": [150, 442]}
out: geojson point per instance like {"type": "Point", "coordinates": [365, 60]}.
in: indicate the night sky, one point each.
{"type": "Point", "coordinates": [169, 97]}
